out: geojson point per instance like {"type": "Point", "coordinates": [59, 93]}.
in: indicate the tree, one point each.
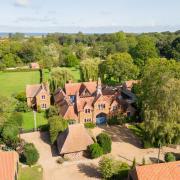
{"type": "Point", "coordinates": [52, 111]}
{"type": "Point", "coordinates": [113, 169]}
{"type": "Point", "coordinates": [169, 157]}
{"type": "Point", "coordinates": [7, 106]}
{"type": "Point", "coordinates": [120, 66]}
{"type": "Point", "coordinates": [89, 69]}
{"type": "Point", "coordinates": [71, 60]}
{"type": "Point", "coordinates": [10, 133]}
{"type": "Point", "coordinates": [160, 99]}
{"type": "Point", "coordinates": [176, 49]}
{"type": "Point", "coordinates": [31, 154]}
{"type": "Point", "coordinates": [56, 125]}
{"type": "Point", "coordinates": [58, 78]}
{"type": "Point", "coordinates": [105, 142]}
{"type": "Point", "coordinates": [17, 118]}
{"type": "Point", "coordinates": [95, 150]}
{"type": "Point", "coordinates": [145, 49]}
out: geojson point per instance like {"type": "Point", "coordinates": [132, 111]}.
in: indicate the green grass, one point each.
{"type": "Point", "coordinates": [75, 72]}
{"type": "Point", "coordinates": [28, 120]}
{"type": "Point", "coordinates": [136, 130]}
{"type": "Point", "coordinates": [31, 173]}
{"type": "Point", "coordinates": [15, 82]}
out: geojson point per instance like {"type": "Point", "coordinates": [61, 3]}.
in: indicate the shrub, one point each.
{"type": "Point", "coordinates": [39, 110]}
{"type": "Point", "coordinates": [95, 150]}
{"type": "Point", "coordinates": [133, 163]}
{"type": "Point", "coordinates": [17, 118]}
{"type": "Point", "coordinates": [169, 157]}
{"type": "Point", "coordinates": [10, 133]}
{"type": "Point", "coordinates": [106, 167]}
{"type": "Point", "coordinates": [56, 124]}
{"type": "Point", "coordinates": [89, 125]}
{"type": "Point", "coordinates": [22, 107]}
{"type": "Point", "coordinates": [105, 142]}
{"type": "Point", "coordinates": [52, 111]}
{"type": "Point", "coordinates": [147, 144]}
{"type": "Point", "coordinates": [113, 169]}
{"type": "Point", "coordinates": [31, 154]}
{"type": "Point", "coordinates": [113, 121]}
{"type": "Point", "coordinates": [20, 96]}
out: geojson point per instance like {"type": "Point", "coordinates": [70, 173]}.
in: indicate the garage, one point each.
{"type": "Point", "coordinates": [101, 118]}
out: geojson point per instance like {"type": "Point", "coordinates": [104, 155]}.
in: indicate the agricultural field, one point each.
{"type": "Point", "coordinates": [15, 82]}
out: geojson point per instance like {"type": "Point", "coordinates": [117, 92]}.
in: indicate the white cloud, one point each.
{"type": "Point", "coordinates": [22, 3]}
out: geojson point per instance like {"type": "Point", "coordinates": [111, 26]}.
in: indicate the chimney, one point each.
{"type": "Point", "coordinates": [99, 87]}
{"type": "Point", "coordinates": [70, 81]}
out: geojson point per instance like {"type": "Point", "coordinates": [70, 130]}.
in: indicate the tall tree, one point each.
{"type": "Point", "coordinates": [120, 67]}
{"type": "Point", "coordinates": [58, 78]}
{"type": "Point", "coordinates": [89, 69]}
{"type": "Point", "coordinates": [160, 97]}
{"type": "Point", "coordinates": [145, 49]}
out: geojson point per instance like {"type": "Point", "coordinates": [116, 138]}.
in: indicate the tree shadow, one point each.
{"type": "Point", "coordinates": [177, 155]}
{"type": "Point", "coordinates": [122, 134]}
{"type": "Point", "coordinates": [46, 138]}
{"type": "Point", "coordinates": [89, 170]}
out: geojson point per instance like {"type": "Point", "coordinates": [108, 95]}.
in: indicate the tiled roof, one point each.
{"type": "Point", "coordinates": [32, 90]}
{"type": "Point", "coordinates": [73, 88]}
{"type": "Point", "coordinates": [162, 171]}
{"type": "Point", "coordinates": [8, 165]}
{"type": "Point", "coordinates": [74, 139]}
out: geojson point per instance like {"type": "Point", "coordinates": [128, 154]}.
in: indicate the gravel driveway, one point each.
{"type": "Point", "coordinates": [125, 146]}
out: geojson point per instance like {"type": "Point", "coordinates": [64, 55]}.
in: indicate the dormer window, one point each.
{"type": "Point", "coordinates": [87, 110]}
{"type": "Point", "coordinates": [43, 97]}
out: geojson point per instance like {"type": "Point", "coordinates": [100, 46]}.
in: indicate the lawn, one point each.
{"type": "Point", "coordinates": [29, 173]}
{"type": "Point", "coordinates": [14, 82]}
{"type": "Point", "coordinates": [28, 120]}
{"type": "Point", "coordinates": [75, 72]}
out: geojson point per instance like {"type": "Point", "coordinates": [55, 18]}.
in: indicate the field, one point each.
{"type": "Point", "coordinates": [28, 120]}
{"type": "Point", "coordinates": [14, 82]}
{"type": "Point", "coordinates": [29, 173]}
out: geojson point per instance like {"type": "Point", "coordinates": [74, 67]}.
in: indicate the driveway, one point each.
{"type": "Point", "coordinates": [125, 146]}
{"type": "Point", "coordinates": [82, 169]}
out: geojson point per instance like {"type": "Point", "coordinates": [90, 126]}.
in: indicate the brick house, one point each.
{"type": "Point", "coordinates": [9, 165]}
{"type": "Point", "coordinates": [34, 65]}
{"type": "Point", "coordinates": [91, 102]}
{"type": "Point", "coordinates": [38, 95]}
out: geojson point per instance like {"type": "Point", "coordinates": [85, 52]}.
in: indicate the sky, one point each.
{"type": "Point", "coordinates": [89, 15]}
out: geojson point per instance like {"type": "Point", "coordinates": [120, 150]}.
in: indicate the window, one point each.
{"type": "Point", "coordinates": [87, 110]}
{"type": "Point", "coordinates": [43, 97]}
{"type": "Point", "coordinates": [114, 108]}
{"type": "Point", "coordinates": [87, 120]}
{"type": "Point", "coordinates": [101, 106]}
{"type": "Point", "coordinates": [43, 106]}
{"type": "Point", "coordinates": [72, 99]}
